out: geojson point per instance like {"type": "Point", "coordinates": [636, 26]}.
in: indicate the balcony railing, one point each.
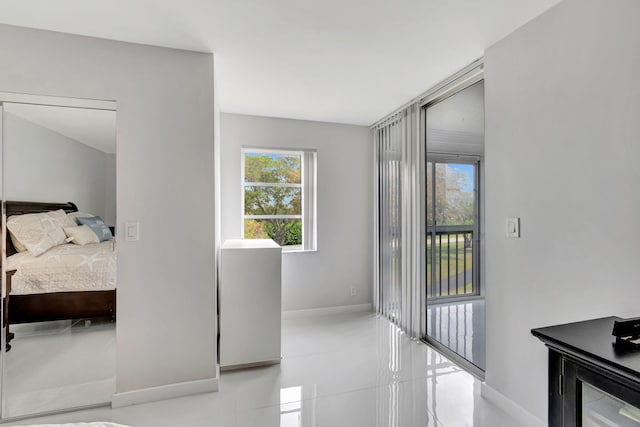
{"type": "Point", "coordinates": [450, 262]}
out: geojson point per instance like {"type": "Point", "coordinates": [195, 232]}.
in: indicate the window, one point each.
{"type": "Point", "coordinates": [279, 197]}
{"type": "Point", "coordinates": [452, 226]}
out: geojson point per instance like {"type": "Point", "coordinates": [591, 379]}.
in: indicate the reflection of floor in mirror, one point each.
{"type": "Point", "coordinates": [55, 365]}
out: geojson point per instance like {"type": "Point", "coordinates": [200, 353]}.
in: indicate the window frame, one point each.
{"type": "Point", "coordinates": [308, 180]}
{"type": "Point", "coordinates": [431, 223]}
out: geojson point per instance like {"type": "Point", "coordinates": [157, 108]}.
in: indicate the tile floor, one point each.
{"type": "Point", "coordinates": [355, 370]}
{"type": "Point", "coordinates": [460, 327]}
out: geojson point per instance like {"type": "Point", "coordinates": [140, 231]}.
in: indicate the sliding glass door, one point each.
{"type": "Point", "coordinates": [454, 131]}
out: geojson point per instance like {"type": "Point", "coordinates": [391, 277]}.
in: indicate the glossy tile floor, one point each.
{"type": "Point", "coordinates": [57, 365]}
{"type": "Point", "coordinates": [355, 370]}
{"type": "Point", "coordinates": [460, 327]}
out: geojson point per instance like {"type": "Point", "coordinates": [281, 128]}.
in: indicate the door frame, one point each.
{"type": "Point", "coordinates": [467, 78]}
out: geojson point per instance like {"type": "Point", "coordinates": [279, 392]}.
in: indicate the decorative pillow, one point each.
{"type": "Point", "coordinates": [73, 215]}
{"type": "Point", "coordinates": [38, 232]}
{"type": "Point", "coordinates": [81, 235]}
{"type": "Point", "coordinates": [98, 226]}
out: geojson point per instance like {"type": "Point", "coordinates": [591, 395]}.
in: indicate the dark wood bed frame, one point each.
{"type": "Point", "coordinates": [55, 305]}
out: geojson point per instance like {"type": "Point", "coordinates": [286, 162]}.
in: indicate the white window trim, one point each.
{"type": "Point", "coordinates": [309, 196]}
{"type": "Point", "coordinates": [274, 184]}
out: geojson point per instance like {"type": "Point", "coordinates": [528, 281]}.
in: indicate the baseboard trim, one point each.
{"type": "Point", "coordinates": [510, 407]}
{"type": "Point", "coordinates": [164, 392]}
{"type": "Point", "coordinates": [326, 311]}
{"type": "Point", "coordinates": [228, 368]}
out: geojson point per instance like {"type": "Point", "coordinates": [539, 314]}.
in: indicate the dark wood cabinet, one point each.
{"type": "Point", "coordinates": [591, 382]}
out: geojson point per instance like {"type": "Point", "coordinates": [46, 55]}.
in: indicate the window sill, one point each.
{"type": "Point", "coordinates": [297, 251]}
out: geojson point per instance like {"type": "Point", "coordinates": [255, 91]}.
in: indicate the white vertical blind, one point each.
{"type": "Point", "coordinates": [399, 194]}
{"type": "Point", "coordinates": [399, 225]}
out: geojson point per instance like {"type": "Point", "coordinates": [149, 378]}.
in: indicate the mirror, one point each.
{"type": "Point", "coordinates": [59, 258]}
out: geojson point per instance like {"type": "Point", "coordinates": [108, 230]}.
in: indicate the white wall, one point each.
{"type": "Point", "coordinates": [110, 181]}
{"type": "Point", "coordinates": [344, 257]}
{"type": "Point", "coordinates": [44, 166]}
{"type": "Point", "coordinates": [165, 170]}
{"type": "Point", "coordinates": [562, 152]}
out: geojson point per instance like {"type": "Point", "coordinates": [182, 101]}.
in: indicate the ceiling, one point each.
{"type": "Point", "coordinates": [346, 61]}
{"type": "Point", "coordinates": [95, 128]}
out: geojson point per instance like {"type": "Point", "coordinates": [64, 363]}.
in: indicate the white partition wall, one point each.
{"type": "Point", "coordinates": [165, 131]}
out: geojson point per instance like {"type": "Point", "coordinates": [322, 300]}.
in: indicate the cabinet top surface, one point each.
{"type": "Point", "coordinates": [592, 340]}
{"type": "Point", "coordinates": [250, 244]}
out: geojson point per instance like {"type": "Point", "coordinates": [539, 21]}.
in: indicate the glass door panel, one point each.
{"type": "Point", "coordinates": [602, 409]}
{"type": "Point", "coordinates": [454, 131]}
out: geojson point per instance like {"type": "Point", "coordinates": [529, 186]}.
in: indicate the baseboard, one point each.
{"type": "Point", "coordinates": [326, 311]}
{"type": "Point", "coordinates": [516, 411]}
{"type": "Point", "coordinates": [164, 392]}
{"type": "Point", "coordinates": [250, 365]}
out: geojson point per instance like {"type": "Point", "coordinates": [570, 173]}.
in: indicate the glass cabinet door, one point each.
{"type": "Point", "coordinates": [595, 399]}
{"type": "Point", "coordinates": [600, 409]}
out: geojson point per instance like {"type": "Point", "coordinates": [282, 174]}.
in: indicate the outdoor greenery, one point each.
{"type": "Point", "coordinates": [454, 206]}
{"type": "Point", "coordinates": [454, 195]}
{"type": "Point", "coordinates": [274, 199]}
{"type": "Point", "coordinates": [456, 265]}
{"type": "Point", "coordinates": [284, 232]}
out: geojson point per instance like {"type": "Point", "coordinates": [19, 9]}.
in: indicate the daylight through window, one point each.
{"type": "Point", "coordinates": [279, 197]}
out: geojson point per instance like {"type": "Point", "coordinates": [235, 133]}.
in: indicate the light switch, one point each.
{"type": "Point", "coordinates": [132, 231]}
{"type": "Point", "coordinates": [513, 227]}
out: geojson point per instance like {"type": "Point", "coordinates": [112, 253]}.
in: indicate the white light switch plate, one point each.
{"type": "Point", "coordinates": [513, 227]}
{"type": "Point", "coordinates": [132, 231]}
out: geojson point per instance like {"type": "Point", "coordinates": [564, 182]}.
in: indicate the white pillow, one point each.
{"type": "Point", "coordinates": [16, 243]}
{"type": "Point", "coordinates": [38, 232]}
{"type": "Point", "coordinates": [81, 235]}
{"type": "Point", "coordinates": [73, 215]}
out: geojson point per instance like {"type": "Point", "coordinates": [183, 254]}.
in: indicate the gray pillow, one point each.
{"type": "Point", "coordinates": [97, 225]}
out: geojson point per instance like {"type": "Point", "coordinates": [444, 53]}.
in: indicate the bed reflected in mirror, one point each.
{"type": "Point", "coordinates": [59, 261]}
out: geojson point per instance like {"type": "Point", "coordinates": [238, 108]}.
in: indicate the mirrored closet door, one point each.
{"type": "Point", "coordinates": [59, 257]}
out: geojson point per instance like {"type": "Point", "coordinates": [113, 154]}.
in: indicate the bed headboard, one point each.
{"type": "Point", "coordinates": [20, 208]}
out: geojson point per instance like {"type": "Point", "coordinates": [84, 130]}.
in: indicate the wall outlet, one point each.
{"type": "Point", "coordinates": [353, 291]}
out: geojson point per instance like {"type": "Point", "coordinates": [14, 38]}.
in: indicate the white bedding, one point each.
{"type": "Point", "coordinates": [64, 268]}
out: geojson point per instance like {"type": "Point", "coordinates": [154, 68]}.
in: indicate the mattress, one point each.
{"type": "Point", "coordinates": [64, 268]}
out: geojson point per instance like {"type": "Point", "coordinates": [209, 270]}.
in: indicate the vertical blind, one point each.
{"type": "Point", "coordinates": [398, 225]}
{"type": "Point", "coordinates": [399, 216]}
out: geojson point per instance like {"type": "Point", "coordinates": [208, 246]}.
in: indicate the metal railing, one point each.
{"type": "Point", "coordinates": [450, 262]}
